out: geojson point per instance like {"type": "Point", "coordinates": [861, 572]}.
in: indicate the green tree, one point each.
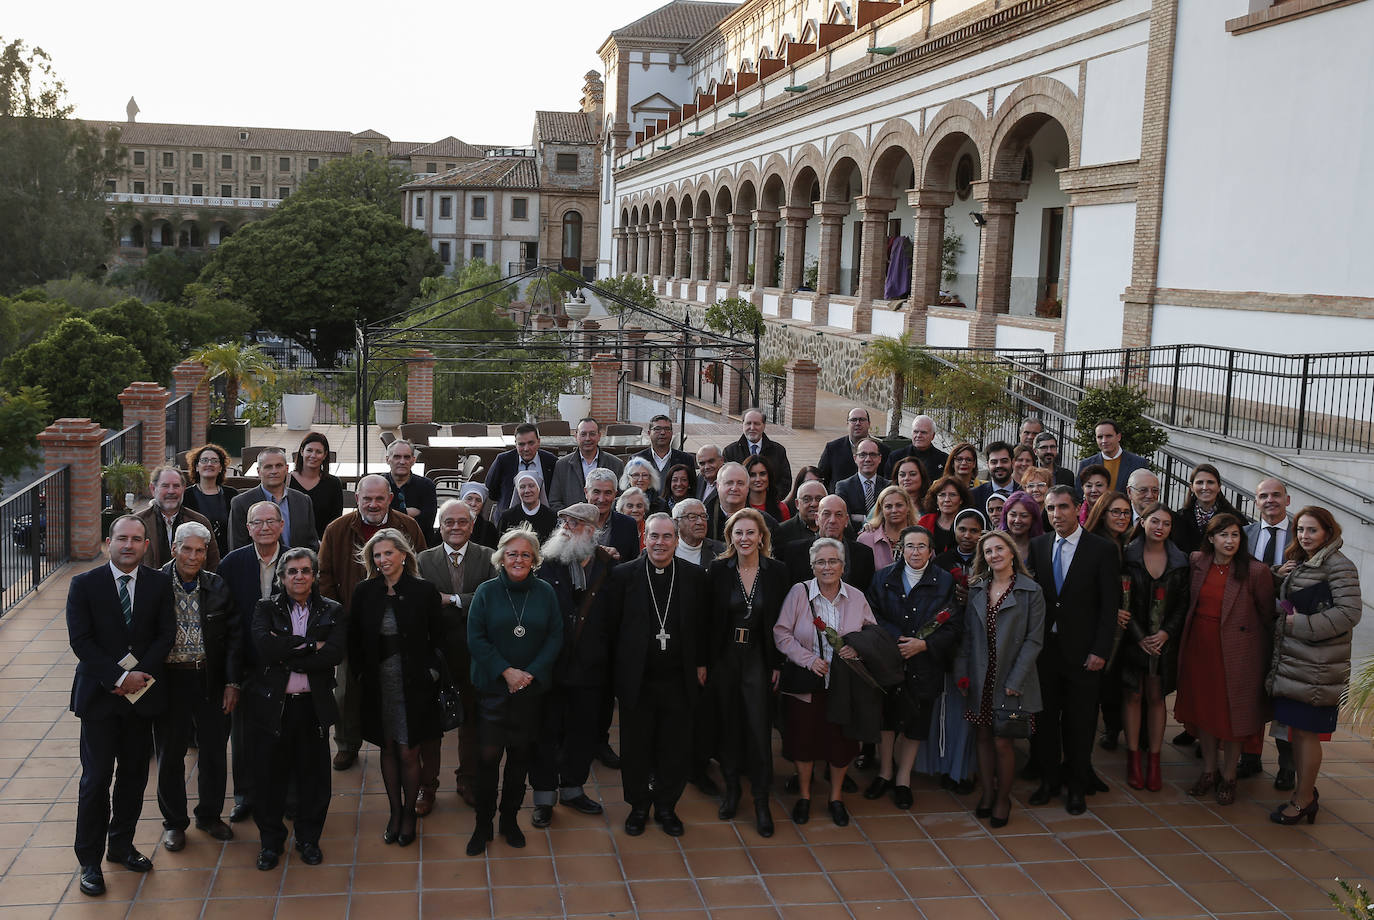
{"type": "Point", "coordinates": [52, 176]}
{"type": "Point", "coordinates": [629, 287]}
{"type": "Point", "coordinates": [244, 367]}
{"type": "Point", "coordinates": [365, 178]}
{"type": "Point", "coordinates": [1127, 406]}
{"type": "Point", "coordinates": [310, 271]}
{"type": "Point", "coordinates": [971, 398]}
{"type": "Point", "coordinates": [142, 326]}
{"type": "Point", "coordinates": [202, 317]}
{"type": "Point", "coordinates": [900, 362]}
{"type": "Point", "coordinates": [735, 317]}
{"type": "Point", "coordinates": [22, 415]}
{"type": "Point", "coordinates": [26, 319]}
{"type": "Point", "coordinates": [81, 368]}
{"type": "Point", "coordinates": [167, 272]}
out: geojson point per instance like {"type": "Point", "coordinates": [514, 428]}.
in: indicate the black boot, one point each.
{"type": "Point", "coordinates": [763, 818]}
{"type": "Point", "coordinates": [481, 836]}
{"type": "Point", "coordinates": [729, 802]}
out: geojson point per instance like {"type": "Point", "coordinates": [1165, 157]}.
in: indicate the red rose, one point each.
{"type": "Point", "coordinates": [942, 616]}
{"type": "Point", "coordinates": [1159, 593]}
{"type": "Point", "coordinates": [963, 683]}
{"type": "Point", "coordinates": [1126, 583]}
{"type": "Point", "coordinates": [820, 624]}
{"type": "Point", "coordinates": [960, 576]}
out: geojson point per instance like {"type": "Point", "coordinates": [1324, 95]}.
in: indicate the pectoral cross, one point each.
{"type": "Point", "coordinates": [663, 638]}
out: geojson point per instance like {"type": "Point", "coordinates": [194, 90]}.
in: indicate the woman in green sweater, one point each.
{"type": "Point", "coordinates": [514, 634]}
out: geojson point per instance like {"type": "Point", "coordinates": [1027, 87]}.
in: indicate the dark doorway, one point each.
{"type": "Point", "coordinates": [572, 241]}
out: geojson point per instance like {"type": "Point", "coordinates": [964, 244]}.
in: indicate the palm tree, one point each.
{"type": "Point", "coordinates": [900, 361]}
{"type": "Point", "coordinates": [243, 366]}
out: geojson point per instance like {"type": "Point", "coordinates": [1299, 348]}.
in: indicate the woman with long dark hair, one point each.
{"type": "Point", "coordinates": [962, 464]}
{"type": "Point", "coordinates": [206, 466]}
{"type": "Point", "coordinates": [1204, 501]}
{"type": "Point", "coordinates": [312, 477]}
{"type": "Point", "coordinates": [760, 473]}
{"type": "Point", "coordinates": [946, 498]}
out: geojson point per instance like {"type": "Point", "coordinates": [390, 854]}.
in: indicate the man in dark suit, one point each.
{"type": "Point", "coordinates": [692, 543]}
{"type": "Point", "coordinates": [732, 494]}
{"type": "Point", "coordinates": [709, 462]}
{"type": "Point", "coordinates": [1000, 481]}
{"type": "Point", "coordinates": [860, 491]}
{"type": "Point", "coordinates": [1080, 575]}
{"type": "Point", "coordinates": [802, 525]}
{"type": "Point", "coordinates": [1047, 457]}
{"type": "Point", "coordinates": [832, 520]}
{"type": "Point", "coordinates": [166, 513]}
{"type": "Point", "coordinates": [661, 452]}
{"type": "Point", "coordinates": [295, 507]}
{"type": "Point", "coordinates": [837, 457]}
{"type": "Point", "coordinates": [922, 447]}
{"type": "Point", "coordinates": [1268, 541]}
{"type": "Point", "coordinates": [412, 495]}
{"type": "Point", "coordinates": [613, 529]}
{"type": "Point", "coordinates": [755, 441]}
{"type": "Point", "coordinates": [1119, 463]}
{"type": "Point", "coordinates": [528, 456]}
{"type": "Point", "coordinates": [660, 666]}
{"type": "Point", "coordinates": [570, 472]}
{"type": "Point", "coordinates": [121, 624]}
{"type": "Point", "coordinates": [456, 567]}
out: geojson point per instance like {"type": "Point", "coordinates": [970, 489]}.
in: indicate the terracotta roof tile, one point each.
{"type": "Point", "coordinates": [154, 134]}
{"type": "Point", "coordinates": [448, 147]}
{"type": "Point", "coordinates": [491, 172]}
{"type": "Point", "coordinates": [564, 127]}
{"type": "Point", "coordinates": [683, 19]}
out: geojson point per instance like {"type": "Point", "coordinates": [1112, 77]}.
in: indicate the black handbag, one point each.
{"type": "Point", "coordinates": [1009, 720]}
{"type": "Point", "coordinates": [450, 703]}
{"type": "Point", "coordinates": [797, 679]}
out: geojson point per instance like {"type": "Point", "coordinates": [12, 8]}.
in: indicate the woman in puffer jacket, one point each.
{"type": "Point", "coordinates": [1319, 605]}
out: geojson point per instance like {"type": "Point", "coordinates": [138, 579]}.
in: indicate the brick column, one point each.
{"type": "Point", "coordinates": [716, 267]}
{"type": "Point", "coordinates": [832, 215]}
{"type": "Point", "coordinates": [634, 337]}
{"type": "Point", "coordinates": [927, 255]}
{"type": "Point", "coordinates": [420, 387]}
{"type": "Point", "coordinates": [675, 394]}
{"type": "Point", "coordinates": [622, 250]}
{"type": "Point", "coordinates": [655, 249]}
{"type": "Point", "coordinates": [765, 248]}
{"type": "Point", "coordinates": [739, 251]}
{"type": "Point", "coordinates": [605, 387]}
{"type": "Point", "coordinates": [872, 257]}
{"type": "Point", "coordinates": [732, 386]}
{"type": "Point", "coordinates": [642, 260]}
{"type": "Point", "coordinates": [587, 333]}
{"type": "Point", "coordinates": [794, 250]}
{"type": "Point", "coordinates": [682, 239]}
{"type": "Point", "coordinates": [998, 199]}
{"type": "Point", "coordinates": [75, 443]}
{"type": "Point", "coordinates": [799, 407]}
{"type": "Point", "coordinates": [669, 243]}
{"type": "Point", "coordinates": [187, 377]}
{"type": "Point", "coordinates": [147, 403]}
{"type": "Point", "coordinates": [700, 248]}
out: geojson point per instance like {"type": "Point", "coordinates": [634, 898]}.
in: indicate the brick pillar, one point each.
{"type": "Point", "coordinates": [186, 378]}
{"type": "Point", "coordinates": [675, 394]}
{"type": "Point", "coordinates": [621, 250]}
{"type": "Point", "coordinates": [669, 244]}
{"type": "Point", "coordinates": [794, 253]}
{"type": "Point", "coordinates": [872, 257]}
{"type": "Point", "coordinates": [998, 199]}
{"type": "Point", "coordinates": [765, 248]}
{"type": "Point", "coordinates": [420, 387]}
{"type": "Point", "coordinates": [634, 337]}
{"type": "Point", "coordinates": [587, 333]}
{"type": "Point", "coordinates": [739, 251]}
{"type": "Point", "coordinates": [643, 245]}
{"type": "Point", "coordinates": [682, 239]}
{"type": "Point", "coordinates": [147, 403]}
{"type": "Point", "coordinates": [832, 215]}
{"type": "Point", "coordinates": [927, 256]}
{"type": "Point", "coordinates": [75, 443]}
{"type": "Point", "coordinates": [541, 322]}
{"type": "Point", "coordinates": [605, 387]}
{"type": "Point", "coordinates": [699, 248]}
{"type": "Point", "coordinates": [716, 270]}
{"type": "Point", "coordinates": [799, 407]}
{"type": "Point", "coordinates": [655, 249]}
{"type": "Point", "coordinates": [982, 330]}
{"type": "Point", "coordinates": [732, 386]}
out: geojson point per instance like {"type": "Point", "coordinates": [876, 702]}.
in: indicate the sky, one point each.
{"type": "Point", "coordinates": [475, 69]}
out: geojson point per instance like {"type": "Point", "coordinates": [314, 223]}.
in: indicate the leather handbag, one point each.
{"type": "Point", "coordinates": [1009, 720]}
{"type": "Point", "coordinates": [450, 703]}
{"type": "Point", "coordinates": [797, 679]}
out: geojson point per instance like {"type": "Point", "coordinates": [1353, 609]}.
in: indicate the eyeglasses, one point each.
{"type": "Point", "coordinates": [1119, 512]}
{"type": "Point", "coordinates": [694, 516]}
{"type": "Point", "coordinates": [212, 459]}
{"type": "Point", "coordinates": [868, 454]}
{"type": "Point", "coordinates": [826, 563]}
{"type": "Point", "coordinates": [292, 570]}
{"type": "Point", "coordinates": [660, 428]}
{"type": "Point", "coordinates": [269, 522]}
{"type": "Point", "coordinates": [516, 554]}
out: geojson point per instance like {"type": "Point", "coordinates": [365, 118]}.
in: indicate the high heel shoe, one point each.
{"type": "Point", "coordinates": [405, 838]}
{"type": "Point", "coordinates": [995, 822]}
{"type": "Point", "coordinates": [1133, 777]}
{"type": "Point", "coordinates": [1309, 811]}
{"type": "Point", "coordinates": [1154, 776]}
{"type": "Point", "coordinates": [983, 812]}
{"type": "Point", "coordinates": [393, 828]}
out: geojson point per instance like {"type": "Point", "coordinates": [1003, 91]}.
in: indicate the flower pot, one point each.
{"type": "Point", "coordinates": [574, 407]}
{"type": "Point", "coordinates": [299, 410]}
{"type": "Point", "coordinates": [389, 412]}
{"type": "Point", "coordinates": [576, 308]}
{"type": "Point", "coordinates": [233, 437]}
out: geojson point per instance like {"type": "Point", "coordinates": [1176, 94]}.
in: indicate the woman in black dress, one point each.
{"type": "Point", "coordinates": [312, 477]}
{"type": "Point", "coordinates": [208, 494]}
{"type": "Point", "coordinates": [746, 591]}
{"type": "Point", "coordinates": [395, 626]}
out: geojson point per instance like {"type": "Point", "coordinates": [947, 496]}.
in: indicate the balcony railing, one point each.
{"type": "Point", "coordinates": [192, 201]}
{"type": "Point", "coordinates": [34, 537]}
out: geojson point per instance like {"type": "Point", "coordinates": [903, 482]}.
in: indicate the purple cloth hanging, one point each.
{"type": "Point", "coordinates": [898, 282]}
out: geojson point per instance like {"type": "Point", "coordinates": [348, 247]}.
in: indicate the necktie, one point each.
{"type": "Point", "coordinates": [868, 494]}
{"type": "Point", "coordinates": [1271, 551]}
{"type": "Point", "coordinates": [1059, 564]}
{"type": "Point", "coordinates": [754, 449]}
{"type": "Point", "coordinates": [126, 603]}
{"type": "Point", "coordinates": [453, 560]}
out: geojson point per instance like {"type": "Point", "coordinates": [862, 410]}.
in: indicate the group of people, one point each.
{"type": "Point", "coordinates": [885, 609]}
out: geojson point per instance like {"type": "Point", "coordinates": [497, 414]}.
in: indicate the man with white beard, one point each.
{"type": "Point", "coordinates": [576, 567]}
{"type": "Point", "coordinates": [693, 544]}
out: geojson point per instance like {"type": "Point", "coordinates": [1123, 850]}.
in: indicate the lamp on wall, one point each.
{"type": "Point", "coordinates": [978, 219]}
{"type": "Point", "coordinates": [737, 114]}
{"type": "Point", "coordinates": [980, 222]}
{"type": "Point", "coordinates": [799, 88]}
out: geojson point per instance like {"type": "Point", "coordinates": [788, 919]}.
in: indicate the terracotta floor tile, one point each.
{"type": "Point", "coordinates": [529, 901]}
{"type": "Point", "coordinates": [807, 911]}
{"type": "Point", "coordinates": [1296, 894]}
{"type": "Point", "coordinates": [745, 913]}
{"type": "Point", "coordinates": [873, 885]}
{"type": "Point", "coordinates": [177, 883]}
{"type": "Point", "coordinates": [1004, 879]}
{"type": "Point", "coordinates": [891, 827]}
{"type": "Point", "coordinates": [244, 882]}
{"type": "Point", "coordinates": [1124, 816]}
{"type": "Point", "coordinates": [596, 899]}
{"type": "Point", "coordinates": [720, 863]}
{"type": "Point", "coordinates": [315, 907]}
{"type": "Point", "coordinates": [653, 865]}
{"type": "Point", "coordinates": [673, 894]}
{"type": "Point", "coordinates": [813, 888]}
{"type": "Point", "coordinates": [84, 910]}
{"type": "Point", "coordinates": [587, 870]}
{"type": "Point", "coordinates": [1158, 840]}
{"type": "Point", "coordinates": [455, 905]}
{"type": "Point", "coordinates": [706, 837]}
{"type": "Point", "coordinates": [1160, 901]}
{"type": "Point", "coordinates": [1189, 869]}
{"type": "Point", "coordinates": [1065, 875]}
{"type": "Point", "coordinates": [1092, 905]}
{"type": "Point", "coordinates": [1026, 848]}
{"type": "Point", "coordinates": [784, 860]}
{"type": "Point", "coordinates": [732, 892]}
{"type": "Point", "coordinates": [841, 857]}
{"type": "Point", "coordinates": [580, 841]}
{"type": "Point", "coordinates": [240, 909]}
{"type": "Point", "coordinates": [983, 851]}
{"type": "Point", "coordinates": [914, 854]}
{"type": "Point", "coordinates": [1025, 905]}
{"type": "Point", "coordinates": [1228, 896]}
{"type": "Point", "coordinates": [954, 908]}
{"type": "Point", "coordinates": [313, 880]}
{"type": "Point", "coordinates": [507, 872]}
{"type": "Point", "coordinates": [946, 826]}
{"type": "Point", "coordinates": [678, 915]}
{"type": "Point", "coordinates": [886, 910]}
{"type": "Point", "coordinates": [940, 882]}
{"type": "Point", "coordinates": [1253, 865]}
{"type": "Point", "coordinates": [386, 877]}
{"type": "Point", "coordinates": [1098, 845]}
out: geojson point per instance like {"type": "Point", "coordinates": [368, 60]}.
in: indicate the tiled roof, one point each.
{"type": "Point", "coordinates": [564, 127]}
{"type": "Point", "coordinates": [682, 19]}
{"type": "Point", "coordinates": [154, 134]}
{"type": "Point", "coordinates": [371, 135]}
{"type": "Point", "coordinates": [492, 172]}
{"type": "Point", "coordinates": [448, 147]}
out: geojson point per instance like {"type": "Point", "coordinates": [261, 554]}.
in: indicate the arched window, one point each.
{"type": "Point", "coordinates": [572, 241]}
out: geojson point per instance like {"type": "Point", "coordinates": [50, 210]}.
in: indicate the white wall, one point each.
{"type": "Point", "coordinates": [1113, 107]}
{"type": "Point", "coordinates": [1100, 244]}
{"type": "Point", "coordinates": [1016, 337]}
{"type": "Point", "coordinates": [1283, 333]}
{"type": "Point", "coordinates": [674, 82]}
{"type": "Point", "coordinates": [1049, 152]}
{"type": "Point", "coordinates": [946, 333]}
{"type": "Point", "coordinates": [1271, 155]}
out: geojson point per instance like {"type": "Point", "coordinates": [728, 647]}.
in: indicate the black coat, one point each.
{"type": "Point", "coordinates": [716, 518]}
{"type": "Point", "coordinates": [100, 638]}
{"type": "Point", "coordinates": [1085, 613]}
{"type": "Point", "coordinates": [1186, 533]}
{"type": "Point", "coordinates": [934, 460]}
{"type": "Point", "coordinates": [770, 450]}
{"type": "Point", "coordinates": [585, 660]}
{"type": "Point", "coordinates": [221, 632]}
{"type": "Point", "coordinates": [279, 653]}
{"type": "Point", "coordinates": [239, 569]}
{"type": "Point", "coordinates": [543, 521]}
{"type": "Point", "coordinates": [769, 593]}
{"type": "Point", "coordinates": [420, 627]}
{"type": "Point", "coordinates": [903, 614]}
{"type": "Point", "coordinates": [1176, 582]}
{"type": "Point", "coordinates": [633, 626]}
{"type": "Point", "coordinates": [837, 461]}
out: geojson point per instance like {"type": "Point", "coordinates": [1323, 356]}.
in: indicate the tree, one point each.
{"type": "Point", "coordinates": [734, 317]}
{"type": "Point", "coordinates": [26, 319]}
{"type": "Point", "coordinates": [310, 271]}
{"type": "Point", "coordinates": [22, 415]}
{"type": "Point", "coordinates": [142, 326]}
{"type": "Point", "coordinates": [971, 397]}
{"type": "Point", "coordinates": [1126, 405]}
{"type": "Point", "coordinates": [52, 176]}
{"type": "Point", "coordinates": [628, 287]}
{"type": "Point", "coordinates": [900, 362]}
{"type": "Point", "coordinates": [81, 368]}
{"type": "Point", "coordinates": [167, 272]}
{"type": "Point", "coordinates": [244, 367]}
{"type": "Point", "coordinates": [203, 317]}
{"type": "Point", "coordinates": [365, 178]}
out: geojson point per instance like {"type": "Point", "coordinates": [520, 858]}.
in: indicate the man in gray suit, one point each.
{"type": "Point", "coordinates": [456, 567]}
{"type": "Point", "coordinates": [570, 472]}
{"type": "Point", "coordinates": [295, 507]}
{"type": "Point", "coordinates": [1268, 540]}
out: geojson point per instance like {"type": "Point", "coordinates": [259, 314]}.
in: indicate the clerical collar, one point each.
{"type": "Point", "coordinates": [657, 570]}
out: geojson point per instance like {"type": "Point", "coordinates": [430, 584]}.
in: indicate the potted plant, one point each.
{"type": "Point", "coordinates": [297, 402]}
{"type": "Point", "coordinates": [899, 361]}
{"type": "Point", "coordinates": [245, 368]}
{"type": "Point", "coordinates": [123, 480]}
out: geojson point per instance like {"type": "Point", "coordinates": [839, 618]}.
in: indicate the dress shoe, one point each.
{"type": "Point", "coordinates": [635, 821]}
{"type": "Point", "coordinates": [1285, 780]}
{"type": "Point", "coordinates": [670, 822]}
{"type": "Point", "coordinates": [424, 801]}
{"type": "Point", "coordinates": [729, 802]}
{"type": "Point", "coordinates": [839, 814]}
{"type": "Point", "coordinates": [1249, 765]}
{"type": "Point", "coordinates": [467, 795]}
{"type": "Point", "coordinates": [1042, 795]}
{"type": "Point", "coordinates": [583, 803]}
{"type": "Point", "coordinates": [801, 812]}
{"type": "Point", "coordinates": [405, 839]}
{"type": "Point", "coordinates": [542, 817]}
{"type": "Point", "coordinates": [994, 821]}
{"type": "Point", "coordinates": [878, 788]}
{"type": "Point", "coordinates": [1108, 741]}
{"type": "Point", "coordinates": [763, 818]}
{"type": "Point", "coordinates": [901, 797]}
{"type": "Point", "coordinates": [707, 786]}
{"type": "Point", "coordinates": [1183, 739]}
{"type": "Point", "coordinates": [267, 859]}
{"type": "Point", "coordinates": [1075, 803]}
{"type": "Point", "coordinates": [1134, 778]}
{"type": "Point", "coordinates": [608, 757]}
{"type": "Point", "coordinates": [216, 828]}
{"type": "Point", "coordinates": [481, 836]}
{"type": "Point", "coordinates": [389, 835]}
{"type": "Point", "coordinates": [510, 829]}
{"type": "Point", "coordinates": [242, 812]}
{"type": "Point", "coordinates": [1281, 815]}
{"type": "Point", "coordinates": [92, 881]}
{"type": "Point", "coordinates": [1095, 784]}
{"type": "Point", "coordinates": [1154, 775]}
{"type": "Point", "coordinates": [174, 839]}
{"type": "Point", "coordinates": [345, 759]}
{"type": "Point", "coordinates": [310, 853]}
{"type": "Point", "coordinates": [132, 860]}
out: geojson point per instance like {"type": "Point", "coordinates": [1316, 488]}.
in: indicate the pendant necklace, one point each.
{"type": "Point", "coordinates": [662, 636]}
{"type": "Point", "coordinates": [519, 615]}
{"type": "Point", "coordinates": [748, 594]}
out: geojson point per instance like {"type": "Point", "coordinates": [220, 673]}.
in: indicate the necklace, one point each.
{"type": "Point", "coordinates": [662, 636]}
{"type": "Point", "coordinates": [519, 614]}
{"type": "Point", "coordinates": [748, 593]}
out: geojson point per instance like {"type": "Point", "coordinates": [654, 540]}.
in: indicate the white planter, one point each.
{"type": "Point", "coordinates": [573, 407]}
{"type": "Point", "coordinates": [389, 412]}
{"type": "Point", "coordinates": [299, 409]}
{"type": "Point", "coordinates": [576, 309]}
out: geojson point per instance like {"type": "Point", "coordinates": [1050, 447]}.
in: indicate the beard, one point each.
{"type": "Point", "coordinates": [565, 548]}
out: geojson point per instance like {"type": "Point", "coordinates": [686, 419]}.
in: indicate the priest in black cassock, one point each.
{"type": "Point", "coordinates": [659, 669]}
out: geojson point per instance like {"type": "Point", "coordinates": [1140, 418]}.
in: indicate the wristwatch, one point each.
{"type": "Point", "coordinates": [453, 599]}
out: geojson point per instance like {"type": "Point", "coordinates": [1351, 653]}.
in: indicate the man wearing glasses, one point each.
{"type": "Point", "coordinates": [693, 544]}
{"type": "Point", "coordinates": [860, 491]}
{"type": "Point", "coordinates": [837, 459]}
{"type": "Point", "coordinates": [660, 451]}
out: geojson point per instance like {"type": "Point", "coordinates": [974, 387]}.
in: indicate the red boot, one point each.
{"type": "Point", "coordinates": [1133, 777]}
{"type": "Point", "coordinates": [1154, 781]}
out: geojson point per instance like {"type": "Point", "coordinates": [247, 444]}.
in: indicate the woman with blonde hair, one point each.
{"type": "Point", "coordinates": [892, 513]}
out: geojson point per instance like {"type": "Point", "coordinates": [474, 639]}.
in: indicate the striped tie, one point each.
{"type": "Point", "coordinates": [126, 603]}
{"type": "Point", "coordinates": [868, 494]}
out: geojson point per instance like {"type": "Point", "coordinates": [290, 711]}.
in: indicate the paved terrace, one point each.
{"type": "Point", "coordinates": [1134, 854]}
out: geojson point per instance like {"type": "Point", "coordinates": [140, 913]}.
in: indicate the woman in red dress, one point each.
{"type": "Point", "coordinates": [1224, 653]}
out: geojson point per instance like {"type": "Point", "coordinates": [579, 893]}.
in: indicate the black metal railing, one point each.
{"type": "Point", "coordinates": [179, 425]}
{"type": "Point", "coordinates": [35, 536]}
{"type": "Point", "coordinates": [126, 445]}
{"type": "Point", "coordinates": [774, 397]}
